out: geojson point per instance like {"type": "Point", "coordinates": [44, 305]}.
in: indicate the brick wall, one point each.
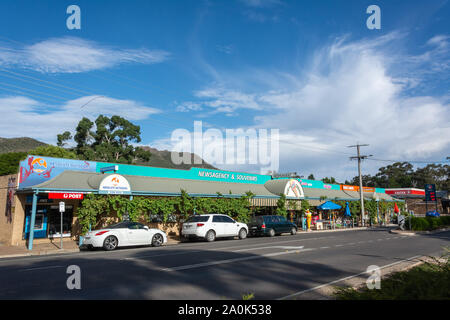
{"type": "Point", "coordinates": [8, 184]}
{"type": "Point", "coordinates": [419, 207]}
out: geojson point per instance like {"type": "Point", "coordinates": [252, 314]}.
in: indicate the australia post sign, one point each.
{"type": "Point", "coordinates": [66, 196]}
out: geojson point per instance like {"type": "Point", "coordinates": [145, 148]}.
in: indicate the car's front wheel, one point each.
{"type": "Point", "coordinates": [242, 234]}
{"type": "Point", "coordinates": [210, 236]}
{"type": "Point", "coordinates": [110, 243]}
{"type": "Point", "coordinates": [157, 240]}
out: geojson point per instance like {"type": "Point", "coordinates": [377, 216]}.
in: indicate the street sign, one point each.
{"type": "Point", "coordinates": [430, 192]}
{"type": "Point", "coordinates": [62, 208]}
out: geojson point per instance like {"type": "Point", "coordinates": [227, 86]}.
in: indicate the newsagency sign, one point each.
{"type": "Point", "coordinates": [114, 184]}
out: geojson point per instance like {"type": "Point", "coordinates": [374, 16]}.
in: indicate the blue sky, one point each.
{"type": "Point", "coordinates": [311, 69]}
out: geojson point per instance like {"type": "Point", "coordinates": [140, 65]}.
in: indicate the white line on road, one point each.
{"type": "Point", "coordinates": [162, 255]}
{"type": "Point", "coordinates": [41, 268]}
{"type": "Point", "coordinates": [343, 279]}
{"type": "Point", "coordinates": [271, 247]}
{"type": "Point", "coordinates": [212, 263]}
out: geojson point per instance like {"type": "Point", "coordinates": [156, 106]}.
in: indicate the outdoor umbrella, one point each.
{"type": "Point", "coordinates": [347, 210]}
{"type": "Point", "coordinates": [329, 205]}
{"type": "Point", "coordinates": [396, 208]}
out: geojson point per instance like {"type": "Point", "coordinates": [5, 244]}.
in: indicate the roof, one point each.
{"type": "Point", "coordinates": [316, 194]}
{"type": "Point", "coordinates": [90, 182]}
{"type": "Point", "coordinates": [79, 181]}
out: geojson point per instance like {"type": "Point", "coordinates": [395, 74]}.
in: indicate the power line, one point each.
{"type": "Point", "coordinates": [30, 94]}
{"type": "Point", "coordinates": [410, 161]}
{"type": "Point", "coordinates": [45, 81]}
{"type": "Point", "coordinates": [38, 92]}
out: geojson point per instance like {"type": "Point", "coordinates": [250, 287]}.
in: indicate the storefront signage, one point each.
{"type": "Point", "coordinates": [230, 176]}
{"type": "Point", "coordinates": [68, 196]}
{"type": "Point", "coordinates": [38, 169]}
{"type": "Point", "coordinates": [409, 191]}
{"type": "Point", "coordinates": [430, 192]}
{"type": "Point", "coordinates": [293, 189]}
{"type": "Point", "coordinates": [349, 188]}
{"type": "Point", "coordinates": [114, 184]}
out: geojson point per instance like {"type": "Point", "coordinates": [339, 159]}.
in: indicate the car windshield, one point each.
{"type": "Point", "coordinates": [198, 219]}
{"type": "Point", "coordinates": [123, 224]}
{"type": "Point", "coordinates": [256, 220]}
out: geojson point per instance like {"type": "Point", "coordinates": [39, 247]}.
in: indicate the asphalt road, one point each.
{"type": "Point", "coordinates": [270, 268]}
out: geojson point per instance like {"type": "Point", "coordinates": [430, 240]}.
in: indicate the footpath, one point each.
{"type": "Point", "coordinates": [70, 246]}
{"type": "Point", "coordinates": [413, 233]}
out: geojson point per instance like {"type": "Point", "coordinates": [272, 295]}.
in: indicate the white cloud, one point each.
{"type": "Point", "coordinates": [74, 55]}
{"type": "Point", "coordinates": [30, 118]}
{"type": "Point", "coordinates": [348, 95]}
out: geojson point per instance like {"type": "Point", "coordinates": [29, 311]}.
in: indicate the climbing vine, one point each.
{"type": "Point", "coordinates": [95, 209]}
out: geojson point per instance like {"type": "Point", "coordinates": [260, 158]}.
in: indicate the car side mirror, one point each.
{"type": "Point", "coordinates": [146, 228]}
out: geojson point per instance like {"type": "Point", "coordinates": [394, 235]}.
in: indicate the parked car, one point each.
{"type": "Point", "coordinates": [271, 226]}
{"type": "Point", "coordinates": [212, 226]}
{"type": "Point", "coordinates": [433, 214]}
{"type": "Point", "coordinates": [122, 234]}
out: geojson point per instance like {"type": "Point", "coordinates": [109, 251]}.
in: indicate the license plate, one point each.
{"type": "Point", "coordinates": [87, 238]}
{"type": "Point", "coordinates": [187, 227]}
{"type": "Point", "coordinates": [254, 227]}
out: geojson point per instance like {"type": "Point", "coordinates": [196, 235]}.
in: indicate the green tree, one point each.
{"type": "Point", "coordinates": [9, 162]}
{"type": "Point", "coordinates": [330, 180]}
{"type": "Point", "coordinates": [62, 138]}
{"type": "Point", "coordinates": [281, 206]}
{"type": "Point", "coordinates": [111, 141]}
{"type": "Point", "coordinates": [53, 151]}
{"type": "Point", "coordinates": [437, 174]}
{"type": "Point", "coordinates": [397, 175]}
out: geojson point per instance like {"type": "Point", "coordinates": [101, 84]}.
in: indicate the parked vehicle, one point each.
{"type": "Point", "coordinates": [270, 226]}
{"type": "Point", "coordinates": [212, 226]}
{"type": "Point", "coordinates": [122, 234]}
{"type": "Point", "coordinates": [433, 214]}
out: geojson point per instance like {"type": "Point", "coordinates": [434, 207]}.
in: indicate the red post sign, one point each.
{"type": "Point", "coordinates": [68, 196]}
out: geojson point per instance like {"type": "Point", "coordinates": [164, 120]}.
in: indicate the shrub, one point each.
{"type": "Point", "coordinates": [428, 223]}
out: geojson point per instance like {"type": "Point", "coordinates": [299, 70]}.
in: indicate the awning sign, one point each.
{"type": "Point", "coordinates": [293, 189]}
{"type": "Point", "coordinates": [114, 184]}
{"type": "Point", "coordinates": [60, 195]}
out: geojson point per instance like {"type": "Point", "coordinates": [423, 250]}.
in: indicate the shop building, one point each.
{"type": "Point", "coordinates": [30, 199]}
{"type": "Point", "coordinates": [415, 200]}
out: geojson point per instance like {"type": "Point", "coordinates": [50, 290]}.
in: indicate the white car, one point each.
{"type": "Point", "coordinates": [122, 234]}
{"type": "Point", "coordinates": [212, 226]}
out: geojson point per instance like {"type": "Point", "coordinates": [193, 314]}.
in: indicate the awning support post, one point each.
{"type": "Point", "coordinates": [33, 220]}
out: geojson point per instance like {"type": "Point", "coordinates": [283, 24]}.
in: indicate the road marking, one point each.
{"type": "Point", "coordinates": [161, 255]}
{"type": "Point", "coordinates": [343, 279]}
{"type": "Point", "coordinates": [41, 268]}
{"type": "Point", "coordinates": [212, 263]}
{"type": "Point", "coordinates": [271, 247]}
{"type": "Point", "coordinates": [324, 247]}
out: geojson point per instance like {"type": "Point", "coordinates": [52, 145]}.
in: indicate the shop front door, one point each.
{"type": "Point", "coordinates": [54, 221]}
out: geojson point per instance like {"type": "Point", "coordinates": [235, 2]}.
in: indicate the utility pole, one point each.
{"type": "Point", "coordinates": [361, 196]}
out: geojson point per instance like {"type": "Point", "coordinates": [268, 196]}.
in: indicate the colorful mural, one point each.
{"type": "Point", "coordinates": [37, 169]}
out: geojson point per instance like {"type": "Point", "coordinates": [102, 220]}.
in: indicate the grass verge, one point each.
{"type": "Point", "coordinates": [428, 281]}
